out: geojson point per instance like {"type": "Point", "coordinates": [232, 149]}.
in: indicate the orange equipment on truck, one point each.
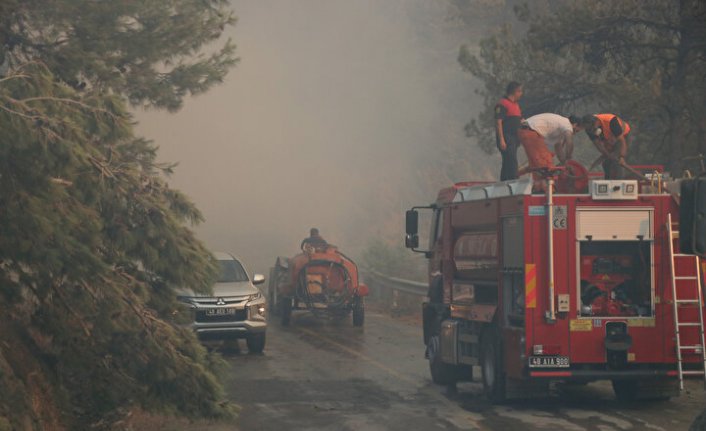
{"type": "Point", "coordinates": [321, 280]}
{"type": "Point", "coordinates": [585, 286]}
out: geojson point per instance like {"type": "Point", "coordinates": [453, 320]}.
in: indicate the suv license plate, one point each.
{"type": "Point", "coordinates": [220, 311]}
{"type": "Point", "coordinates": [549, 362]}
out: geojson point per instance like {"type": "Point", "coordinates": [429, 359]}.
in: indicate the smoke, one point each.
{"type": "Point", "coordinates": [332, 118]}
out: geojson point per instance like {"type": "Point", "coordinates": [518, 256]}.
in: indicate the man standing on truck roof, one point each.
{"type": "Point", "coordinates": [609, 133]}
{"type": "Point", "coordinates": [507, 122]}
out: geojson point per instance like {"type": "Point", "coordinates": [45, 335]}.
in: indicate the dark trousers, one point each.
{"type": "Point", "coordinates": [508, 171]}
{"type": "Point", "coordinates": [612, 170]}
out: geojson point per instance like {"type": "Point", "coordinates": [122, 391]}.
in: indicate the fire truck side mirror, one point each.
{"type": "Point", "coordinates": [412, 222]}
{"type": "Point", "coordinates": [412, 229]}
{"type": "Point", "coordinates": [692, 217]}
{"type": "Point", "coordinates": [411, 241]}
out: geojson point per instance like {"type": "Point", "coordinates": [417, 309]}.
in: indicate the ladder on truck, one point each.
{"type": "Point", "coordinates": [687, 294]}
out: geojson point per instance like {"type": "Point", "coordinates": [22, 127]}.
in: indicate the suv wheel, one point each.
{"type": "Point", "coordinates": [256, 342]}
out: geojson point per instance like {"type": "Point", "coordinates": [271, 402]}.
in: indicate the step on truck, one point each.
{"type": "Point", "coordinates": [576, 286]}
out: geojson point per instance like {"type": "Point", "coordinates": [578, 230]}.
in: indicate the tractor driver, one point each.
{"type": "Point", "coordinates": [315, 239]}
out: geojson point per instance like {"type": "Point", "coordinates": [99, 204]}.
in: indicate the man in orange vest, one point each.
{"type": "Point", "coordinates": [609, 133]}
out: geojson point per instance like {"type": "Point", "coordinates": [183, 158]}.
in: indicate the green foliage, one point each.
{"type": "Point", "coordinates": [93, 241]}
{"type": "Point", "coordinates": [395, 261]}
{"type": "Point", "coordinates": [151, 51]}
{"type": "Point", "coordinates": [643, 60]}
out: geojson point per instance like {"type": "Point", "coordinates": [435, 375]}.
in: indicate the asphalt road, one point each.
{"type": "Point", "coordinates": [331, 376]}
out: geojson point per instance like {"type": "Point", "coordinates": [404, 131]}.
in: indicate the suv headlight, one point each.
{"type": "Point", "coordinates": [257, 311]}
{"type": "Point", "coordinates": [256, 306]}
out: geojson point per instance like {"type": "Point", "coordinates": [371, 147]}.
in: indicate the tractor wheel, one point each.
{"type": "Point", "coordinates": [358, 313]}
{"type": "Point", "coordinates": [272, 305]}
{"type": "Point", "coordinates": [625, 390]}
{"type": "Point", "coordinates": [256, 342]}
{"type": "Point", "coordinates": [276, 308]}
{"type": "Point", "coordinates": [441, 373]}
{"type": "Point", "coordinates": [285, 310]}
{"type": "Point", "coordinates": [492, 365]}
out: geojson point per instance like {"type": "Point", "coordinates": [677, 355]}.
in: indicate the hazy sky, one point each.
{"type": "Point", "coordinates": [330, 111]}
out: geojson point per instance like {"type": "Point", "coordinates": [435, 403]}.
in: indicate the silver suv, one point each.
{"type": "Point", "coordinates": [236, 309]}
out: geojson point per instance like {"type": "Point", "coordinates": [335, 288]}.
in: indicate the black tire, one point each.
{"type": "Point", "coordinates": [626, 391]}
{"type": "Point", "coordinates": [359, 313]}
{"type": "Point", "coordinates": [645, 389]}
{"type": "Point", "coordinates": [441, 373]}
{"type": "Point", "coordinates": [285, 310]}
{"type": "Point", "coordinates": [275, 307]}
{"type": "Point", "coordinates": [255, 342]}
{"type": "Point", "coordinates": [491, 362]}
{"type": "Point", "coordinates": [699, 423]}
{"type": "Point", "coordinates": [273, 297]}
{"type": "Point", "coordinates": [436, 290]}
{"type": "Point", "coordinates": [432, 313]}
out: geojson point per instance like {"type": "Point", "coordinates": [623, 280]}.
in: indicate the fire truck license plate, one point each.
{"type": "Point", "coordinates": [549, 362]}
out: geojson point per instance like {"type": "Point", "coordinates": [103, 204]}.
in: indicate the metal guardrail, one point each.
{"type": "Point", "coordinates": [382, 281]}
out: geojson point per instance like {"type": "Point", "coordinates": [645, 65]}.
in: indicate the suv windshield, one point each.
{"type": "Point", "coordinates": [231, 271]}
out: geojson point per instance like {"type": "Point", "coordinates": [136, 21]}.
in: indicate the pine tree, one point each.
{"type": "Point", "coordinates": [642, 60]}
{"type": "Point", "coordinates": [93, 241]}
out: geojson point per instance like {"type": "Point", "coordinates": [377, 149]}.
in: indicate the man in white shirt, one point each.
{"type": "Point", "coordinates": [540, 131]}
{"type": "Point", "coordinates": [557, 132]}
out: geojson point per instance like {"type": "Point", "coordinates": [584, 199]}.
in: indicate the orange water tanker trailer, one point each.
{"type": "Point", "coordinates": [321, 280]}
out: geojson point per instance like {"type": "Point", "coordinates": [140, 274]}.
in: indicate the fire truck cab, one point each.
{"type": "Point", "coordinates": [573, 287]}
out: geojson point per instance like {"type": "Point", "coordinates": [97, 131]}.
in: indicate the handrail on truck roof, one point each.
{"type": "Point", "coordinates": [655, 182]}
{"type": "Point", "coordinates": [522, 186]}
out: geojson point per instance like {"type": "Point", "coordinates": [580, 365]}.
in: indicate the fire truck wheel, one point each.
{"type": "Point", "coordinates": [358, 313]}
{"type": "Point", "coordinates": [699, 423]}
{"type": "Point", "coordinates": [625, 390]}
{"type": "Point", "coordinates": [285, 310]}
{"type": "Point", "coordinates": [436, 290]}
{"type": "Point", "coordinates": [441, 373]}
{"type": "Point", "coordinates": [492, 366]}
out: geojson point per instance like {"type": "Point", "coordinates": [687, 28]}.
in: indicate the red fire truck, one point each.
{"type": "Point", "coordinates": [575, 287]}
